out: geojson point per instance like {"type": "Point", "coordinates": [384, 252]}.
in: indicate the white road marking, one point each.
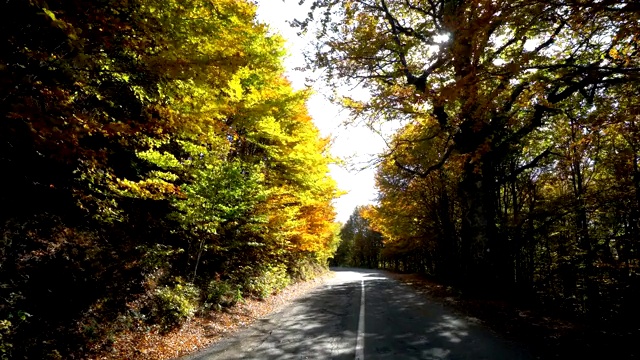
{"type": "Point", "coordinates": [360, 335]}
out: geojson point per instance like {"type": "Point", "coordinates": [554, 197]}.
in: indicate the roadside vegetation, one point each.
{"type": "Point", "coordinates": [156, 166]}
{"type": "Point", "coordinates": [515, 172]}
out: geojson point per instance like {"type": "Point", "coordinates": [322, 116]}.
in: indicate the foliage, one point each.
{"type": "Point", "coordinates": [222, 293]}
{"type": "Point", "coordinates": [360, 245]}
{"type": "Point", "coordinates": [5, 333]}
{"type": "Point", "coordinates": [515, 169]}
{"type": "Point", "coordinates": [176, 302]}
{"type": "Point", "coordinates": [267, 280]}
{"type": "Point", "coordinates": [146, 141]}
{"type": "Point", "coordinates": [304, 269]}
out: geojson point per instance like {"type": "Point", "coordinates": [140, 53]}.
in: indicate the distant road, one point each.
{"type": "Point", "coordinates": [363, 314]}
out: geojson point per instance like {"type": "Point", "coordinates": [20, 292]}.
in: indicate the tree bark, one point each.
{"type": "Point", "coordinates": [482, 251]}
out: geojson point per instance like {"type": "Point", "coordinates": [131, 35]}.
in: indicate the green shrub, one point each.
{"type": "Point", "coordinates": [5, 345]}
{"type": "Point", "coordinates": [157, 256]}
{"type": "Point", "coordinates": [223, 293]}
{"type": "Point", "coordinates": [270, 279]}
{"type": "Point", "coordinates": [305, 269]}
{"type": "Point", "coordinates": [176, 303]}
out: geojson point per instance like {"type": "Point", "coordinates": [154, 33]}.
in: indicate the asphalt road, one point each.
{"type": "Point", "coordinates": [363, 314]}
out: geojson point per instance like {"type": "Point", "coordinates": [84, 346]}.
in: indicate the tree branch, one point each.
{"type": "Point", "coordinates": [551, 39]}
{"type": "Point", "coordinates": [533, 163]}
{"type": "Point", "coordinates": [430, 169]}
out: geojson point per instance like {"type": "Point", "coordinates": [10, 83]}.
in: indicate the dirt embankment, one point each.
{"type": "Point", "coordinates": [202, 331]}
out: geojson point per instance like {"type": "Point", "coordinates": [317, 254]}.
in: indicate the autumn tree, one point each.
{"type": "Point", "coordinates": [360, 245]}
{"type": "Point", "coordinates": [159, 162]}
{"type": "Point", "coordinates": [485, 76]}
{"type": "Point", "coordinates": [417, 216]}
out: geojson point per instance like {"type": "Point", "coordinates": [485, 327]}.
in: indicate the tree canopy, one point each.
{"type": "Point", "coordinates": [514, 169]}
{"type": "Point", "coordinates": [155, 161]}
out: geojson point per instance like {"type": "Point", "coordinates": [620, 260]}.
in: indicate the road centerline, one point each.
{"type": "Point", "coordinates": [360, 334]}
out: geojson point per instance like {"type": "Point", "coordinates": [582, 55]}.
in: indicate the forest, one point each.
{"type": "Point", "coordinates": [515, 172]}
{"type": "Point", "coordinates": [156, 164]}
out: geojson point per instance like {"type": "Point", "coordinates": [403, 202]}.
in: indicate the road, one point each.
{"type": "Point", "coordinates": [363, 314]}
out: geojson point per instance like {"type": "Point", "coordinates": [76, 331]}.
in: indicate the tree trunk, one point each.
{"type": "Point", "coordinates": [447, 264]}
{"type": "Point", "coordinates": [483, 253]}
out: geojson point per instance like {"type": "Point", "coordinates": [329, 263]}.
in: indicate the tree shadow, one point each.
{"type": "Point", "coordinates": [399, 324]}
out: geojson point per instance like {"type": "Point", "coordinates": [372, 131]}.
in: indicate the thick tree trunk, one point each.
{"type": "Point", "coordinates": [447, 263]}
{"type": "Point", "coordinates": [483, 253]}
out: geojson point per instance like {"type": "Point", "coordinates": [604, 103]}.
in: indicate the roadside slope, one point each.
{"type": "Point", "coordinates": [205, 329]}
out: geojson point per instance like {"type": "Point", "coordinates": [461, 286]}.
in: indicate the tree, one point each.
{"type": "Point", "coordinates": [360, 245]}
{"type": "Point", "coordinates": [417, 215]}
{"type": "Point", "coordinates": [157, 159]}
{"type": "Point", "coordinates": [483, 75]}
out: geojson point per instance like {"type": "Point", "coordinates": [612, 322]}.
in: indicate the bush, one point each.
{"type": "Point", "coordinates": [176, 303]}
{"type": "Point", "coordinates": [269, 279]}
{"type": "Point", "coordinates": [5, 345]}
{"type": "Point", "coordinates": [223, 293]}
{"type": "Point", "coordinates": [305, 269]}
{"type": "Point", "coordinates": [157, 257]}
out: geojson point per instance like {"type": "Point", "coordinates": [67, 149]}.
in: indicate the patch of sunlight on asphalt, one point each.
{"type": "Point", "coordinates": [353, 276]}
{"type": "Point", "coordinates": [375, 278]}
{"type": "Point", "coordinates": [436, 353]}
{"type": "Point", "coordinates": [451, 329]}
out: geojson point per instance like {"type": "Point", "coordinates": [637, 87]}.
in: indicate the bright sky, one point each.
{"type": "Point", "coordinates": [355, 143]}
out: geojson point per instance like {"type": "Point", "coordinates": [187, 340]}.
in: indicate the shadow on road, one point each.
{"type": "Point", "coordinates": [321, 325]}
{"type": "Point", "coordinates": [401, 324]}
{"type": "Point", "coordinates": [398, 325]}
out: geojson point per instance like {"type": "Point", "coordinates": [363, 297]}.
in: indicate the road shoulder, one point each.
{"type": "Point", "coordinates": [205, 330]}
{"type": "Point", "coordinates": [546, 336]}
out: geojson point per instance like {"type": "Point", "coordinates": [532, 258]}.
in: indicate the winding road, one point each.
{"type": "Point", "coordinates": [363, 314]}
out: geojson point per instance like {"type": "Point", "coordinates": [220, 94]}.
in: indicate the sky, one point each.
{"type": "Point", "coordinates": [357, 144]}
